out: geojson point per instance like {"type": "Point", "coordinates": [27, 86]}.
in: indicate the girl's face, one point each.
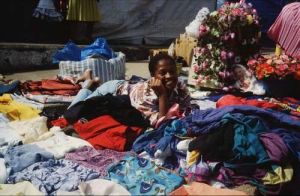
{"type": "Point", "coordinates": [239, 73]}
{"type": "Point", "coordinates": [166, 72]}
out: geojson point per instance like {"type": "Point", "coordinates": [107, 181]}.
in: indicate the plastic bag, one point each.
{"type": "Point", "coordinates": [98, 48]}
{"type": "Point", "coordinates": [70, 52]}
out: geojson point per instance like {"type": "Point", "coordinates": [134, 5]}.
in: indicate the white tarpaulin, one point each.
{"type": "Point", "coordinates": [152, 22]}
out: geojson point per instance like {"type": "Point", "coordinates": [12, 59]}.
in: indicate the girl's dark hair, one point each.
{"type": "Point", "coordinates": [154, 61]}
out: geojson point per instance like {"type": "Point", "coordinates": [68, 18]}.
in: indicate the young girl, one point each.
{"type": "Point", "coordinates": [153, 97]}
{"type": "Point", "coordinates": [246, 82]}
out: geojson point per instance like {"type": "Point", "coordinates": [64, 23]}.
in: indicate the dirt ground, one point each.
{"type": "Point", "coordinates": [139, 68]}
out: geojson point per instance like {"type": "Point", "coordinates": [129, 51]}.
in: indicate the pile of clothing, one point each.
{"type": "Point", "coordinates": [241, 141]}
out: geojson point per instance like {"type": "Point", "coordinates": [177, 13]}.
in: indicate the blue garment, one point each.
{"type": "Point", "coordinates": [142, 177]}
{"type": "Point", "coordinates": [53, 174]}
{"type": "Point", "coordinates": [109, 87]}
{"type": "Point", "coordinates": [160, 138]}
{"type": "Point", "coordinates": [6, 88]}
{"type": "Point", "coordinates": [202, 121]}
{"type": "Point", "coordinates": [18, 158]}
{"type": "Point", "coordinates": [247, 149]}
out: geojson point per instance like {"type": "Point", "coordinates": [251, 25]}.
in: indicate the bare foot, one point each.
{"type": "Point", "coordinates": [87, 75]}
{"type": "Point", "coordinates": [97, 81]}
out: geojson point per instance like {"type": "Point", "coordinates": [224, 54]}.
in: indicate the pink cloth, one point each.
{"type": "Point", "coordinates": [98, 160]}
{"type": "Point", "coordinates": [286, 29]}
{"type": "Point", "coordinates": [144, 99]}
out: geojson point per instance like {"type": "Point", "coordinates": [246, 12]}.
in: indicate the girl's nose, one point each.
{"type": "Point", "coordinates": [168, 75]}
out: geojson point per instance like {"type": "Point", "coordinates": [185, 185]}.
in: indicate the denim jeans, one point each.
{"type": "Point", "coordinates": [106, 88]}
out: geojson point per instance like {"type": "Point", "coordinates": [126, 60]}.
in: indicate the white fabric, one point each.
{"type": "Point", "coordinates": [193, 28]}
{"type": "Point", "coordinates": [8, 137]}
{"type": "Point", "coordinates": [97, 187]}
{"type": "Point", "coordinates": [30, 130]}
{"type": "Point", "coordinates": [3, 118]}
{"type": "Point", "coordinates": [59, 144]}
{"type": "Point", "coordinates": [21, 188]}
{"type": "Point", "coordinates": [3, 173]}
{"type": "Point", "coordinates": [204, 104]}
{"type": "Point", "coordinates": [112, 69]}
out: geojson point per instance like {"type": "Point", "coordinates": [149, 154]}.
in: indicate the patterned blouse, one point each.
{"type": "Point", "coordinates": [144, 99]}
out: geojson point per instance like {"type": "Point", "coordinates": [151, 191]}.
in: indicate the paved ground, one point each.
{"type": "Point", "coordinates": [139, 68]}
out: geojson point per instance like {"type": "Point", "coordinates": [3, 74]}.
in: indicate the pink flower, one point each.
{"type": "Point", "coordinates": [283, 67]}
{"type": "Point", "coordinates": [203, 50]}
{"type": "Point", "coordinates": [236, 12]}
{"type": "Point", "coordinates": [204, 65]}
{"type": "Point", "coordinates": [226, 37]}
{"type": "Point", "coordinates": [203, 29]}
{"type": "Point", "coordinates": [222, 74]}
{"type": "Point", "coordinates": [199, 79]}
{"type": "Point", "coordinates": [196, 68]}
{"type": "Point", "coordinates": [232, 35]}
{"type": "Point", "coordinates": [223, 55]}
{"type": "Point", "coordinates": [251, 62]}
{"type": "Point", "coordinates": [230, 54]}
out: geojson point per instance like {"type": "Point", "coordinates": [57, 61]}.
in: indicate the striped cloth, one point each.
{"type": "Point", "coordinates": [83, 10]}
{"type": "Point", "coordinates": [112, 69]}
{"type": "Point", "coordinates": [286, 29]}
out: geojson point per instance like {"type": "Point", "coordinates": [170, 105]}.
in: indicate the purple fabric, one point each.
{"type": "Point", "coordinates": [97, 160]}
{"type": "Point", "coordinates": [275, 147]}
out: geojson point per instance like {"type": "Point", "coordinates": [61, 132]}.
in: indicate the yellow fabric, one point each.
{"type": "Point", "coordinates": [278, 50]}
{"type": "Point", "coordinates": [15, 110]}
{"type": "Point", "coordinates": [279, 175]}
{"type": "Point", "coordinates": [21, 188]}
{"type": "Point", "coordinates": [83, 10]}
{"type": "Point", "coordinates": [192, 157]}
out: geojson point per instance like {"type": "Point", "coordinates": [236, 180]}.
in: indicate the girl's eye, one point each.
{"type": "Point", "coordinates": [162, 73]}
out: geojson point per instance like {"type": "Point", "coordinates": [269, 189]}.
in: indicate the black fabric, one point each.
{"type": "Point", "coordinates": [119, 107]}
{"type": "Point", "coordinates": [217, 145]}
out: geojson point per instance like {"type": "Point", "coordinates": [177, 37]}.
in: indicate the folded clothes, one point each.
{"type": "Point", "coordinates": [50, 87]}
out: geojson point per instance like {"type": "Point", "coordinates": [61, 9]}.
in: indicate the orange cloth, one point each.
{"type": "Point", "coordinates": [196, 188]}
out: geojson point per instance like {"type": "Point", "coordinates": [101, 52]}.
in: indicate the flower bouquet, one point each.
{"type": "Point", "coordinates": [280, 74]}
{"type": "Point", "coordinates": [276, 67]}
{"type": "Point", "coordinates": [226, 37]}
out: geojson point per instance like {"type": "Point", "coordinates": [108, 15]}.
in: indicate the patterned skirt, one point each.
{"type": "Point", "coordinates": [83, 10]}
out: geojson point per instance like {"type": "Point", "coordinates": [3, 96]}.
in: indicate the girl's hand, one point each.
{"type": "Point", "coordinates": [158, 87]}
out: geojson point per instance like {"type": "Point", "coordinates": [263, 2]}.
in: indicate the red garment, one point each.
{"type": "Point", "coordinates": [61, 122]}
{"type": "Point", "coordinates": [227, 100]}
{"type": "Point", "coordinates": [51, 87]}
{"type": "Point", "coordinates": [106, 132]}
